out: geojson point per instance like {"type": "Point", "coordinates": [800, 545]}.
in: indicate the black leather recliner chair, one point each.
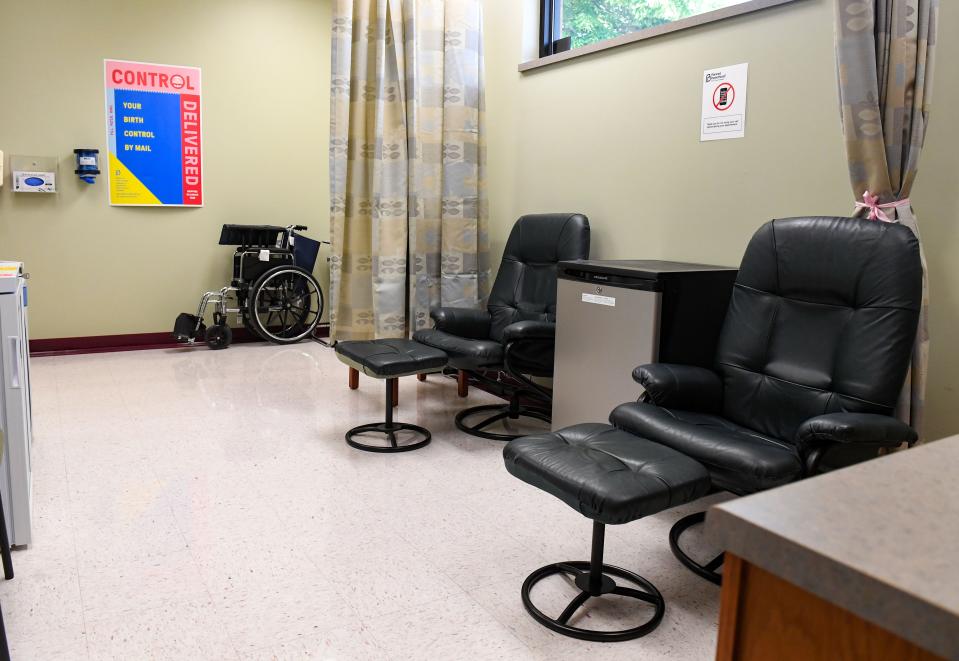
{"type": "Point", "coordinates": [515, 335]}
{"type": "Point", "coordinates": [811, 360]}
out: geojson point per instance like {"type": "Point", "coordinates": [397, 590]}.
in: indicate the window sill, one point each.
{"type": "Point", "coordinates": [666, 28]}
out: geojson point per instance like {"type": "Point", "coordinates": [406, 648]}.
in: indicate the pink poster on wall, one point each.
{"type": "Point", "coordinates": [154, 133]}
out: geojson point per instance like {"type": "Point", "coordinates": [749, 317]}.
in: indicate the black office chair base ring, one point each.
{"type": "Point", "coordinates": [580, 571]}
{"type": "Point", "coordinates": [593, 580]}
{"type": "Point", "coordinates": [509, 411]}
{"type": "Point", "coordinates": [390, 433]}
{"type": "Point", "coordinates": [389, 430]}
{"type": "Point", "coordinates": [709, 570]}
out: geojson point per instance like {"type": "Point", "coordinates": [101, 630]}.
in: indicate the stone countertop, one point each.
{"type": "Point", "coordinates": [880, 539]}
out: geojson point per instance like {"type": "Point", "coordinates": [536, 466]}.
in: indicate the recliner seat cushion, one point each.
{"type": "Point", "coordinates": [606, 474]}
{"type": "Point", "coordinates": [464, 353]}
{"type": "Point", "coordinates": [738, 459]}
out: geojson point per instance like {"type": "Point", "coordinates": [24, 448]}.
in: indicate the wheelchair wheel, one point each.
{"type": "Point", "coordinates": [219, 336]}
{"type": "Point", "coordinates": [285, 304]}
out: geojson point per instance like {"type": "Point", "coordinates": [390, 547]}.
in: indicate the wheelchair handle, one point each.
{"type": "Point", "coordinates": [298, 228]}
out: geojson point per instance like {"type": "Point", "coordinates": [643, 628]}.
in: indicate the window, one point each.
{"type": "Point", "coordinates": [571, 24]}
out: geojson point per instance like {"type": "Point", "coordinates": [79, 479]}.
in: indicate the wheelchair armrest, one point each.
{"type": "Point", "coordinates": [470, 323]}
{"type": "Point", "coordinates": [686, 387]}
{"type": "Point", "coordinates": [529, 330]}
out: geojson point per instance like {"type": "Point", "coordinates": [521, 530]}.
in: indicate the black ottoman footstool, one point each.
{"type": "Point", "coordinates": [390, 359]}
{"type": "Point", "coordinates": [611, 477]}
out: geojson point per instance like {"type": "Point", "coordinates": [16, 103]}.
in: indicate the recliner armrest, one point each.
{"type": "Point", "coordinates": [686, 387]}
{"type": "Point", "coordinates": [871, 428]}
{"type": "Point", "coordinates": [465, 322]}
{"type": "Point", "coordinates": [529, 330]}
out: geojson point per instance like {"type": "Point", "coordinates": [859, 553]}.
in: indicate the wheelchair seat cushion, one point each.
{"type": "Point", "coordinates": [464, 353]}
{"type": "Point", "coordinates": [738, 459]}
{"type": "Point", "coordinates": [606, 474]}
{"type": "Point", "coordinates": [387, 359]}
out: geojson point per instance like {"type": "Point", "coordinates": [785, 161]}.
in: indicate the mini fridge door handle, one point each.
{"type": "Point", "coordinates": [15, 365]}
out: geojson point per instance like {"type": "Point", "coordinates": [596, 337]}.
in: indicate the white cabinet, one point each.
{"type": "Point", "coordinates": [15, 404]}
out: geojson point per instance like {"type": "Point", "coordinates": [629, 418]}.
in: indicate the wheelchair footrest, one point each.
{"type": "Point", "coordinates": [187, 328]}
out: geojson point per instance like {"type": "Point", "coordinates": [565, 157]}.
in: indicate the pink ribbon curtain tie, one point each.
{"type": "Point", "coordinates": [876, 210]}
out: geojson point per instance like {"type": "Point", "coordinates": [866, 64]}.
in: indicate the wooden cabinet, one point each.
{"type": "Point", "coordinates": [763, 617]}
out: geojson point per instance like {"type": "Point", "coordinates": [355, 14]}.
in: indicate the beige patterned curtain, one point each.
{"type": "Point", "coordinates": [884, 51]}
{"type": "Point", "coordinates": [407, 164]}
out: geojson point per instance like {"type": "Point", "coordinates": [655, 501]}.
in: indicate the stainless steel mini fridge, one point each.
{"type": "Point", "coordinates": [612, 316]}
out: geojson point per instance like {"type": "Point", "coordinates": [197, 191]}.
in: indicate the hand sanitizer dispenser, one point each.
{"type": "Point", "coordinates": [88, 164]}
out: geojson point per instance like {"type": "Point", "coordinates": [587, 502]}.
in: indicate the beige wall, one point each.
{"type": "Point", "coordinates": [615, 135]}
{"type": "Point", "coordinates": [98, 270]}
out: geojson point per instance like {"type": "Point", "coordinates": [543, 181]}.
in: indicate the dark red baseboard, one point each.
{"type": "Point", "coordinates": [66, 346]}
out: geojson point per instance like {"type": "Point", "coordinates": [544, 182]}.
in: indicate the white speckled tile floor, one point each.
{"type": "Point", "coordinates": [192, 504]}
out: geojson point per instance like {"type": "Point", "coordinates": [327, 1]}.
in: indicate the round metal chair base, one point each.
{"type": "Point", "coordinates": [708, 570]}
{"type": "Point", "coordinates": [388, 430]}
{"type": "Point", "coordinates": [580, 571]}
{"type": "Point", "coordinates": [500, 412]}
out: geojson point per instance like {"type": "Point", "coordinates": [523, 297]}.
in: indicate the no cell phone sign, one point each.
{"type": "Point", "coordinates": [724, 102]}
{"type": "Point", "coordinates": [723, 96]}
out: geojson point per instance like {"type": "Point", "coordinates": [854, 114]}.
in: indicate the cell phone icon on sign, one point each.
{"type": "Point", "coordinates": [724, 96]}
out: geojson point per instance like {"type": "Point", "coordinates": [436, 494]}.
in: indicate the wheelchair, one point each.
{"type": "Point", "coordinates": [273, 292]}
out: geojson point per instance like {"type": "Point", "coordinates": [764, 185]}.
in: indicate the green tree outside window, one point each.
{"type": "Point", "coordinates": [589, 21]}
